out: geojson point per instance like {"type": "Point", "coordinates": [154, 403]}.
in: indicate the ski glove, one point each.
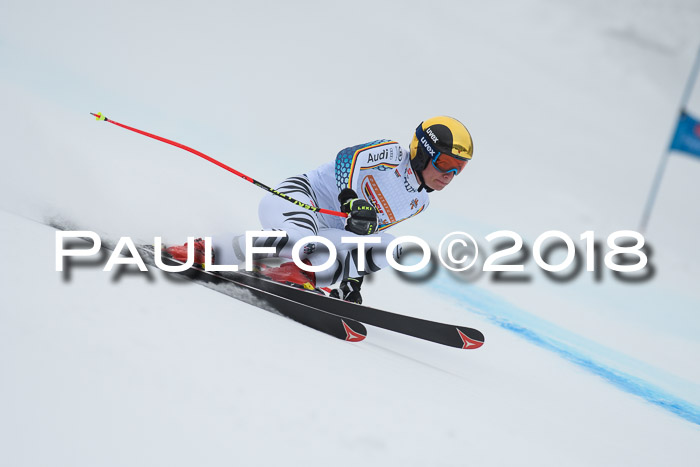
{"type": "Point", "coordinates": [362, 216]}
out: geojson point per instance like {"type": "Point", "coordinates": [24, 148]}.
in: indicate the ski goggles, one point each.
{"type": "Point", "coordinates": [442, 161]}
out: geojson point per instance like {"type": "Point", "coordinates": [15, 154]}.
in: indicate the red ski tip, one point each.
{"type": "Point", "coordinates": [352, 336]}
{"type": "Point", "coordinates": [469, 343]}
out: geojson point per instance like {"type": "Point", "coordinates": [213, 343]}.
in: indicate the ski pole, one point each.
{"type": "Point", "coordinates": [99, 116]}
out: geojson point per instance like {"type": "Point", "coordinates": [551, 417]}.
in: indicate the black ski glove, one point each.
{"type": "Point", "coordinates": [362, 216]}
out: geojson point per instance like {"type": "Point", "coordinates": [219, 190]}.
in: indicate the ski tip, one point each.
{"type": "Point", "coordinates": [470, 343]}
{"type": "Point", "coordinates": [351, 335]}
{"type": "Point", "coordinates": [98, 116]}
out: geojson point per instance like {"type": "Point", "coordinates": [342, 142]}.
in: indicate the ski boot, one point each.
{"type": "Point", "coordinates": [349, 290]}
{"type": "Point", "coordinates": [290, 274]}
{"type": "Point", "coordinates": [179, 252]}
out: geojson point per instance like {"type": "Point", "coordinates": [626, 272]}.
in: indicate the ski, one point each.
{"type": "Point", "coordinates": [339, 327]}
{"type": "Point", "coordinates": [460, 337]}
{"type": "Point", "coordinates": [343, 328]}
{"type": "Point", "coordinates": [343, 320]}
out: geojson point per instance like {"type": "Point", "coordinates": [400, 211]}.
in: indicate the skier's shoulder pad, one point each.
{"type": "Point", "coordinates": [374, 151]}
{"type": "Point", "coordinates": [375, 154]}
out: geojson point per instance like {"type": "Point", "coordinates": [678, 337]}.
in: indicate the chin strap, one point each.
{"type": "Point", "coordinates": [422, 185]}
{"type": "Point", "coordinates": [419, 174]}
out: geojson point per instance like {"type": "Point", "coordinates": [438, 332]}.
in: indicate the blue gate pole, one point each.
{"type": "Point", "coordinates": [664, 157]}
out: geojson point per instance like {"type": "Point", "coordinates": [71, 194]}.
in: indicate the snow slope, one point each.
{"type": "Point", "coordinates": [571, 105]}
{"type": "Point", "coordinates": [109, 369]}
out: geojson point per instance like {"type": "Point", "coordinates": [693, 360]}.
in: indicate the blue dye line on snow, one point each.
{"type": "Point", "coordinates": [576, 349]}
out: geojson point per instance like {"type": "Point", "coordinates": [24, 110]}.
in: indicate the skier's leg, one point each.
{"type": "Point", "coordinates": [348, 255]}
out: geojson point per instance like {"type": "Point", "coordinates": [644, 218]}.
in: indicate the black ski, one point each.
{"type": "Point", "coordinates": [343, 328]}
{"type": "Point", "coordinates": [326, 314]}
{"type": "Point", "coordinates": [340, 327]}
{"type": "Point", "coordinates": [461, 337]}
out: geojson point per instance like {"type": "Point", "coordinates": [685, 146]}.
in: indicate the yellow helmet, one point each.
{"type": "Point", "coordinates": [441, 136]}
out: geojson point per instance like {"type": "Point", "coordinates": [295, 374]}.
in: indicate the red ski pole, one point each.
{"type": "Point", "coordinates": [99, 116]}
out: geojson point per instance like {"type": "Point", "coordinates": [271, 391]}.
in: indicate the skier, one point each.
{"type": "Point", "coordinates": [378, 185]}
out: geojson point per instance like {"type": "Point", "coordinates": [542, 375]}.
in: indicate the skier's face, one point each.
{"type": "Point", "coordinates": [435, 179]}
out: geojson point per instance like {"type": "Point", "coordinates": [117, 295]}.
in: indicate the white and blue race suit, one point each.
{"type": "Point", "coordinates": [379, 172]}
